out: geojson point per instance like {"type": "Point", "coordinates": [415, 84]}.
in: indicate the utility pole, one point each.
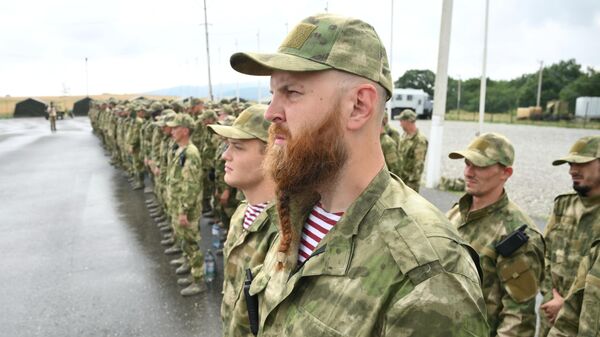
{"type": "Point", "coordinates": [483, 76]}
{"type": "Point", "coordinates": [259, 96]}
{"type": "Point", "coordinates": [539, 91]}
{"type": "Point", "coordinates": [237, 81]}
{"type": "Point", "coordinates": [87, 82]}
{"type": "Point", "coordinates": [391, 34]}
{"type": "Point", "coordinates": [434, 161]}
{"type": "Point", "coordinates": [210, 92]}
{"type": "Point", "coordinates": [458, 98]}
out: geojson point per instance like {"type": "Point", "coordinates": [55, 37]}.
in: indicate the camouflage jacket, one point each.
{"type": "Point", "coordinates": [392, 266]}
{"type": "Point", "coordinates": [393, 133]}
{"type": "Point", "coordinates": [183, 182]}
{"type": "Point", "coordinates": [133, 135]}
{"type": "Point", "coordinates": [244, 248]}
{"type": "Point", "coordinates": [412, 151]}
{"type": "Point", "coordinates": [580, 314]}
{"type": "Point", "coordinates": [390, 153]}
{"type": "Point", "coordinates": [157, 136]}
{"type": "Point", "coordinates": [573, 225]}
{"type": "Point", "coordinates": [511, 283]}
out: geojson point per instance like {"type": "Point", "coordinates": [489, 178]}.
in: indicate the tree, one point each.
{"type": "Point", "coordinates": [586, 85]}
{"type": "Point", "coordinates": [417, 79]}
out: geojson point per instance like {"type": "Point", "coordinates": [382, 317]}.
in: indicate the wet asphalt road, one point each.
{"type": "Point", "coordinates": [79, 254]}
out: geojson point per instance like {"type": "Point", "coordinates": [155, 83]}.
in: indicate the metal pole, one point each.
{"type": "Point", "coordinates": [210, 92]}
{"type": "Point", "coordinates": [237, 81]}
{"type": "Point", "coordinates": [434, 160]}
{"type": "Point", "coordinates": [483, 76]}
{"type": "Point", "coordinates": [539, 89]}
{"type": "Point", "coordinates": [458, 99]}
{"type": "Point", "coordinates": [87, 82]}
{"type": "Point", "coordinates": [259, 96]}
{"type": "Point", "coordinates": [391, 35]}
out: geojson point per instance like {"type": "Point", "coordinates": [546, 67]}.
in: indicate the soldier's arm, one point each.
{"type": "Point", "coordinates": [546, 286]}
{"type": "Point", "coordinates": [520, 276]}
{"type": "Point", "coordinates": [443, 305]}
{"type": "Point", "coordinates": [418, 162]}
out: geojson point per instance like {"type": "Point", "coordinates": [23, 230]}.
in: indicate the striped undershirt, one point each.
{"type": "Point", "coordinates": [318, 224]}
{"type": "Point", "coordinates": [252, 212]}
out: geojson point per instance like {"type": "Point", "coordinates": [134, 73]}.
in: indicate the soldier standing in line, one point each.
{"type": "Point", "coordinates": [485, 217]}
{"type": "Point", "coordinates": [358, 253]}
{"type": "Point", "coordinates": [392, 132]}
{"type": "Point", "coordinates": [208, 149]}
{"type": "Point", "coordinates": [184, 186]}
{"type": "Point", "coordinates": [251, 232]}
{"type": "Point", "coordinates": [134, 144]}
{"type": "Point", "coordinates": [579, 313]}
{"type": "Point", "coordinates": [390, 152]}
{"type": "Point", "coordinates": [572, 227]}
{"type": "Point", "coordinates": [412, 150]}
{"type": "Point", "coordinates": [52, 116]}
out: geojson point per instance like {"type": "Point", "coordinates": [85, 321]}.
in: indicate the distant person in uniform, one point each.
{"type": "Point", "coordinates": [52, 116]}
{"type": "Point", "coordinates": [251, 230]}
{"type": "Point", "coordinates": [573, 226]}
{"type": "Point", "coordinates": [412, 150]}
{"type": "Point", "coordinates": [358, 253]}
{"type": "Point", "coordinates": [485, 217]}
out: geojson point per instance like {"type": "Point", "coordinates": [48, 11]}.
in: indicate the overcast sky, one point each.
{"type": "Point", "coordinates": [136, 46]}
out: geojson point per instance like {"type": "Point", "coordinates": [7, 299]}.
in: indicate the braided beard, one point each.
{"type": "Point", "coordinates": [306, 162]}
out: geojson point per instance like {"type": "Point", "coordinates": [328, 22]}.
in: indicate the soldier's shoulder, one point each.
{"type": "Point", "coordinates": [514, 217]}
{"type": "Point", "coordinates": [564, 201]}
{"type": "Point", "coordinates": [417, 235]}
{"type": "Point", "coordinates": [565, 197]}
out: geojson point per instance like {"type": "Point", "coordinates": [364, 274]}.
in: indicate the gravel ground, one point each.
{"type": "Point", "coordinates": [535, 182]}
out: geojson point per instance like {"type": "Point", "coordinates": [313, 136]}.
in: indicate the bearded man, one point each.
{"type": "Point", "coordinates": [358, 252]}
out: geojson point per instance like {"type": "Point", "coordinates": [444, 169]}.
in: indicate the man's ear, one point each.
{"type": "Point", "coordinates": [365, 103]}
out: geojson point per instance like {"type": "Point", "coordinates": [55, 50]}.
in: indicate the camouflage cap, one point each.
{"type": "Point", "coordinates": [156, 106]}
{"type": "Point", "coordinates": [227, 120]}
{"type": "Point", "coordinates": [208, 114]}
{"type": "Point", "coordinates": [251, 124]}
{"type": "Point", "coordinates": [183, 120]}
{"type": "Point", "coordinates": [583, 151]}
{"type": "Point", "coordinates": [166, 115]}
{"type": "Point", "coordinates": [406, 114]}
{"type": "Point", "coordinates": [486, 150]}
{"type": "Point", "coordinates": [321, 42]}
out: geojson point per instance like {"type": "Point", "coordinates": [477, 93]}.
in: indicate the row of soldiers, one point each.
{"type": "Point", "coordinates": [169, 143]}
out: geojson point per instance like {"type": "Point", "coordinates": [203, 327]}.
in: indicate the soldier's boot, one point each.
{"type": "Point", "coordinates": [167, 235]}
{"type": "Point", "coordinates": [155, 213]}
{"type": "Point", "coordinates": [137, 186]}
{"type": "Point", "coordinates": [185, 281]}
{"type": "Point", "coordinates": [172, 250]}
{"type": "Point", "coordinates": [160, 218]}
{"type": "Point", "coordinates": [195, 288]}
{"type": "Point", "coordinates": [183, 269]}
{"type": "Point", "coordinates": [162, 224]}
{"type": "Point", "coordinates": [166, 229]}
{"type": "Point", "coordinates": [153, 207]}
{"type": "Point", "coordinates": [150, 201]}
{"type": "Point", "coordinates": [168, 242]}
{"type": "Point", "coordinates": [178, 262]}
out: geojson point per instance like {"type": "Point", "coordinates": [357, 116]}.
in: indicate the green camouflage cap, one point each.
{"type": "Point", "coordinates": [251, 124]}
{"type": "Point", "coordinates": [321, 42]}
{"type": "Point", "coordinates": [406, 114]}
{"type": "Point", "coordinates": [165, 116]}
{"type": "Point", "coordinates": [182, 119]}
{"type": "Point", "coordinates": [208, 114]}
{"type": "Point", "coordinates": [156, 106]}
{"type": "Point", "coordinates": [583, 151]}
{"type": "Point", "coordinates": [486, 150]}
{"type": "Point", "coordinates": [227, 120]}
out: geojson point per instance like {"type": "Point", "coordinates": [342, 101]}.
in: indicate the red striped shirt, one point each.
{"type": "Point", "coordinates": [252, 212]}
{"type": "Point", "coordinates": [318, 224]}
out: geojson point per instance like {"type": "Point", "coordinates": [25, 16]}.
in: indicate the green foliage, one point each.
{"type": "Point", "coordinates": [564, 80]}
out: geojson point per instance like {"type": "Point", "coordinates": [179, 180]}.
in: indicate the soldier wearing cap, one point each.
{"type": "Point", "coordinates": [184, 187]}
{"type": "Point", "coordinates": [412, 150]}
{"type": "Point", "coordinates": [358, 253]}
{"type": "Point", "coordinates": [573, 225]}
{"type": "Point", "coordinates": [251, 232]}
{"type": "Point", "coordinates": [225, 200]}
{"type": "Point", "coordinates": [485, 216]}
{"type": "Point", "coordinates": [134, 146]}
{"type": "Point", "coordinates": [390, 151]}
{"type": "Point", "coordinates": [208, 147]}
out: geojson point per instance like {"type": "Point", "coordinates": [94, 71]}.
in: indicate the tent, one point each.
{"type": "Point", "coordinates": [30, 107]}
{"type": "Point", "coordinates": [82, 107]}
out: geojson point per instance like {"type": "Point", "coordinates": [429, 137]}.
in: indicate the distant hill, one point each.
{"type": "Point", "coordinates": [247, 91]}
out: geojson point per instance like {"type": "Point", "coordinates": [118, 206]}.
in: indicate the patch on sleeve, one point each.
{"type": "Point", "coordinates": [519, 279]}
{"type": "Point", "coordinates": [300, 34]}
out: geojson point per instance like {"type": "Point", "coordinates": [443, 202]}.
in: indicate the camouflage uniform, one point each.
{"type": "Point", "coordinates": [580, 313]}
{"type": "Point", "coordinates": [510, 284]}
{"type": "Point", "coordinates": [392, 133]}
{"type": "Point", "coordinates": [390, 153]}
{"type": "Point", "coordinates": [412, 150]}
{"type": "Point", "coordinates": [184, 192]}
{"type": "Point", "coordinates": [392, 266]}
{"type": "Point", "coordinates": [244, 248]}
{"type": "Point", "coordinates": [571, 229]}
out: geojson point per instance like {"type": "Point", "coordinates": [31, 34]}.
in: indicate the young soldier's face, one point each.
{"type": "Point", "coordinates": [481, 181]}
{"type": "Point", "coordinates": [243, 163]}
{"type": "Point", "coordinates": [586, 177]}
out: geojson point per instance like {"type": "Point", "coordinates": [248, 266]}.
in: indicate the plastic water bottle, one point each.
{"type": "Point", "coordinates": [209, 266]}
{"type": "Point", "coordinates": [216, 236]}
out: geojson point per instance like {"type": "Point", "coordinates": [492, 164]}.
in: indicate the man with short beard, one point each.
{"type": "Point", "coordinates": [572, 228]}
{"type": "Point", "coordinates": [358, 252]}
